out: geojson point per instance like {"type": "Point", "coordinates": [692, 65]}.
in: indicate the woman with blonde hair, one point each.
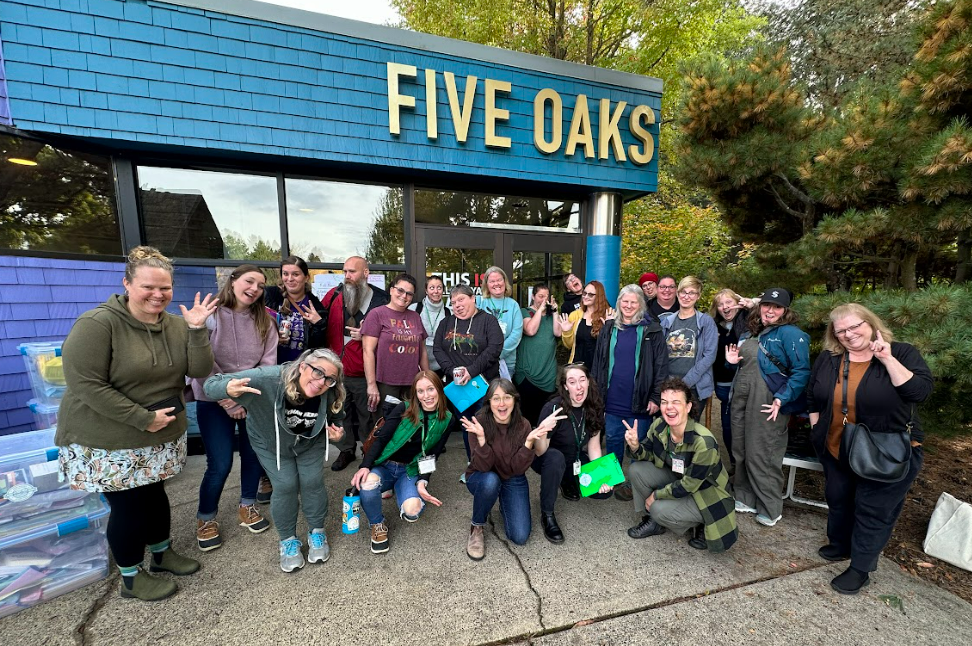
{"type": "Point", "coordinates": [581, 327]}
{"type": "Point", "coordinates": [122, 421]}
{"type": "Point", "coordinates": [288, 407]}
{"type": "Point", "coordinates": [729, 310]}
{"type": "Point", "coordinates": [865, 377]}
{"type": "Point", "coordinates": [497, 302]}
{"type": "Point", "coordinates": [692, 343]}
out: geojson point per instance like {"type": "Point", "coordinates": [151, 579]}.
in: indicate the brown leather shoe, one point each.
{"type": "Point", "coordinates": [207, 535]}
{"type": "Point", "coordinates": [476, 545]}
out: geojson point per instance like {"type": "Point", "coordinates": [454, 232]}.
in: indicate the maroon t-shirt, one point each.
{"type": "Point", "coordinates": [401, 343]}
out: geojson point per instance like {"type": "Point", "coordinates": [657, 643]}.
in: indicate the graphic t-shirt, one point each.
{"type": "Point", "coordinates": [302, 417]}
{"type": "Point", "coordinates": [401, 342]}
{"type": "Point", "coordinates": [683, 345]}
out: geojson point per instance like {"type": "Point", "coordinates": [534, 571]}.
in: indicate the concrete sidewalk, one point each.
{"type": "Point", "coordinates": [770, 588]}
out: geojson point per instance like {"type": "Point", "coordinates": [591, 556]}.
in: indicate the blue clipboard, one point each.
{"type": "Point", "coordinates": [462, 397]}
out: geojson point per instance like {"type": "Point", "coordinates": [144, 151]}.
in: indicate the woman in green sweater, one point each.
{"type": "Point", "coordinates": [122, 421]}
{"type": "Point", "coordinates": [288, 407]}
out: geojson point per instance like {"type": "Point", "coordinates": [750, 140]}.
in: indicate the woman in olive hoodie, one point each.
{"type": "Point", "coordinates": [122, 420]}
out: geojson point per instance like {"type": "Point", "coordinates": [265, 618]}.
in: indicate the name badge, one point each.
{"type": "Point", "coordinates": [577, 466]}
{"type": "Point", "coordinates": [678, 465]}
{"type": "Point", "coordinates": [429, 341]}
{"type": "Point", "coordinates": [502, 325]}
{"type": "Point", "coordinates": [426, 464]}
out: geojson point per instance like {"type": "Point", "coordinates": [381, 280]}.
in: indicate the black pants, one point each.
{"type": "Point", "coordinates": [551, 467]}
{"type": "Point", "coordinates": [532, 400]}
{"type": "Point", "coordinates": [569, 481]}
{"type": "Point", "coordinates": [139, 517]}
{"type": "Point", "coordinates": [863, 512]}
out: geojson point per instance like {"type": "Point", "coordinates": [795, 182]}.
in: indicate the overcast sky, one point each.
{"type": "Point", "coordinates": [376, 11]}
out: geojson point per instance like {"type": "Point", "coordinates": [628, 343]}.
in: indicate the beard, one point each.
{"type": "Point", "coordinates": [354, 294]}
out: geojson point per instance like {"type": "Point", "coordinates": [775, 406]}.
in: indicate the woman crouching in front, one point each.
{"type": "Point", "coordinates": [502, 449]}
{"type": "Point", "coordinates": [288, 406]}
{"type": "Point", "coordinates": [403, 456]}
{"type": "Point", "coordinates": [678, 478]}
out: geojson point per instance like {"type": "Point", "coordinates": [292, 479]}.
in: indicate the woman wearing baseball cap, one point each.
{"type": "Point", "coordinates": [774, 358]}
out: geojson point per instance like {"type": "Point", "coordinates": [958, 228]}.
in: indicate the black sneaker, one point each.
{"type": "Point", "coordinates": [698, 538]}
{"type": "Point", "coordinates": [646, 528]}
{"type": "Point", "coordinates": [851, 581]}
{"type": "Point", "coordinates": [832, 553]}
{"type": "Point", "coordinates": [569, 493]}
{"type": "Point", "coordinates": [343, 460]}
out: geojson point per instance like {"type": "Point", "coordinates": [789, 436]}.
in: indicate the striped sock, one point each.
{"type": "Point", "coordinates": [158, 548]}
{"type": "Point", "coordinates": [128, 575]}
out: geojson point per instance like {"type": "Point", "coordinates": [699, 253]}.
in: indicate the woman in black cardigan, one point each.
{"type": "Point", "coordinates": [886, 381]}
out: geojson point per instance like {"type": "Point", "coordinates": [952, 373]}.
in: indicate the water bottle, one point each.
{"type": "Point", "coordinates": [351, 508]}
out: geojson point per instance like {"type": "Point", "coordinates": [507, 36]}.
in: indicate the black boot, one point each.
{"type": "Point", "coordinates": [850, 582]}
{"type": "Point", "coordinates": [831, 552]}
{"type": "Point", "coordinates": [698, 538]}
{"type": "Point", "coordinates": [550, 528]}
{"type": "Point", "coordinates": [570, 492]}
{"type": "Point", "coordinates": [647, 527]}
{"type": "Point", "coordinates": [343, 460]}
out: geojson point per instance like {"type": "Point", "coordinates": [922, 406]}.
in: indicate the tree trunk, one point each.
{"type": "Point", "coordinates": [964, 259]}
{"type": "Point", "coordinates": [909, 269]}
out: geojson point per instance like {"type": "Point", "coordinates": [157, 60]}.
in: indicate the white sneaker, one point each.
{"type": "Point", "coordinates": [291, 557]}
{"type": "Point", "coordinates": [742, 508]}
{"type": "Point", "coordinates": [318, 551]}
{"type": "Point", "coordinates": [766, 520]}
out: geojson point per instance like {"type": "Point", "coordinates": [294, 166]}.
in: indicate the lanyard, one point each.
{"type": "Point", "coordinates": [579, 437]}
{"type": "Point", "coordinates": [492, 307]}
{"type": "Point", "coordinates": [432, 324]}
{"type": "Point", "coordinates": [425, 426]}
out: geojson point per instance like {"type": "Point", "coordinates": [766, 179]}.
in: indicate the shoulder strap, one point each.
{"type": "Point", "coordinates": [776, 362]}
{"type": "Point", "coordinates": [843, 387]}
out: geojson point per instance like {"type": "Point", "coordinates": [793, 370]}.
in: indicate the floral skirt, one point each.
{"type": "Point", "coordinates": [101, 470]}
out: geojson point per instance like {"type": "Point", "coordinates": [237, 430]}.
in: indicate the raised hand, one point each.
{"type": "Point", "coordinates": [732, 353]}
{"type": "Point", "coordinates": [881, 348]}
{"type": "Point", "coordinates": [196, 317]}
{"type": "Point", "coordinates": [609, 313]}
{"type": "Point", "coordinates": [424, 494]}
{"type": "Point", "coordinates": [236, 387]}
{"type": "Point", "coordinates": [631, 434]}
{"type": "Point", "coordinates": [565, 323]}
{"type": "Point", "coordinates": [473, 426]}
{"type": "Point", "coordinates": [550, 421]}
{"type": "Point", "coordinates": [308, 313]}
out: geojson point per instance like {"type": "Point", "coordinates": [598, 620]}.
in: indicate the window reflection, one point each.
{"type": "Point", "coordinates": [455, 208]}
{"type": "Point", "coordinates": [329, 221]}
{"type": "Point", "coordinates": [208, 214]}
{"type": "Point", "coordinates": [53, 199]}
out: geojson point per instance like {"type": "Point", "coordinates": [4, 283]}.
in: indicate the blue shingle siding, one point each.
{"type": "Point", "coordinates": [40, 298]}
{"type": "Point", "coordinates": [228, 67]}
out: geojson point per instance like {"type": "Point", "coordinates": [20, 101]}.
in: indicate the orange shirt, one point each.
{"type": "Point", "coordinates": [836, 431]}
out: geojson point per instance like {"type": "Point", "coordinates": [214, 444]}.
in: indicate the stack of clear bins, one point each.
{"type": "Point", "coordinates": [46, 371]}
{"type": "Point", "coordinates": [52, 539]}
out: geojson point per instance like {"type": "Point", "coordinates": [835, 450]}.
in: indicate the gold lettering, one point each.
{"type": "Point", "coordinates": [396, 99]}
{"type": "Point", "coordinates": [641, 134]}
{"type": "Point", "coordinates": [580, 129]}
{"type": "Point", "coordinates": [461, 117]}
{"type": "Point", "coordinates": [494, 114]}
{"type": "Point", "coordinates": [607, 130]}
{"type": "Point", "coordinates": [431, 115]}
{"type": "Point", "coordinates": [539, 121]}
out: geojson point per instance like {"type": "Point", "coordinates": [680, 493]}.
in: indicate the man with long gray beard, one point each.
{"type": "Point", "coordinates": [347, 305]}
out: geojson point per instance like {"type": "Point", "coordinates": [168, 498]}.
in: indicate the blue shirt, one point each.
{"type": "Point", "coordinates": [620, 390]}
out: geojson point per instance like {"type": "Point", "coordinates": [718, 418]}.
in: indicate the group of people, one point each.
{"type": "Point", "coordinates": [293, 373]}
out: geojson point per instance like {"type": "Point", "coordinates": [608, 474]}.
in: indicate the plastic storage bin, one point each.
{"type": "Point", "coordinates": [44, 415]}
{"type": "Point", "coordinates": [46, 370]}
{"type": "Point", "coordinates": [53, 560]}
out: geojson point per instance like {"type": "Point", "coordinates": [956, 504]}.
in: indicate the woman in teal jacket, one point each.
{"type": "Point", "coordinates": [769, 385]}
{"type": "Point", "coordinates": [288, 406]}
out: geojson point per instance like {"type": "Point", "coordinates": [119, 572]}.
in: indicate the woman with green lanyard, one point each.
{"type": "Point", "coordinates": [402, 457]}
{"type": "Point", "coordinates": [507, 311]}
{"type": "Point", "coordinates": [536, 358]}
{"type": "Point", "coordinates": [433, 311]}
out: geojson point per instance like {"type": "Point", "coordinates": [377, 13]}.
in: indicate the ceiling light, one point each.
{"type": "Point", "coordinates": [22, 162]}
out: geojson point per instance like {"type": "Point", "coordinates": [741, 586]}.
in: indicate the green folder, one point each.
{"type": "Point", "coordinates": [604, 470]}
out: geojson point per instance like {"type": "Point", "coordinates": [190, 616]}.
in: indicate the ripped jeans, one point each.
{"type": "Point", "coordinates": [391, 475]}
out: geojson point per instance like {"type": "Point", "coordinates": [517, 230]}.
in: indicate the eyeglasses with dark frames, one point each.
{"type": "Point", "coordinates": [319, 375]}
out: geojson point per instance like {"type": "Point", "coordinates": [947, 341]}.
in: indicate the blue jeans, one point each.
{"type": "Point", "coordinates": [614, 432]}
{"type": "Point", "coordinates": [217, 430]}
{"type": "Point", "coordinates": [722, 392]}
{"type": "Point", "coordinates": [390, 475]}
{"type": "Point", "coordinates": [514, 497]}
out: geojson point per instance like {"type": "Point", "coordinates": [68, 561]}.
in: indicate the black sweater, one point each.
{"type": "Point", "coordinates": [880, 405]}
{"type": "Point", "coordinates": [474, 344]}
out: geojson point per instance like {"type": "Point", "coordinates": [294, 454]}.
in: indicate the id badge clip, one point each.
{"type": "Point", "coordinates": [577, 467]}
{"type": "Point", "coordinates": [678, 465]}
{"type": "Point", "coordinates": [426, 464]}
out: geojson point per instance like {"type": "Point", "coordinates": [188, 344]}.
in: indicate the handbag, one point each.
{"type": "Point", "coordinates": [882, 457]}
{"type": "Point", "coordinates": [949, 530]}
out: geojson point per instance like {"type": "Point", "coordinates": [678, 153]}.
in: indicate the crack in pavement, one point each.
{"type": "Point", "coordinates": [81, 631]}
{"type": "Point", "coordinates": [553, 630]}
{"type": "Point", "coordinates": [526, 575]}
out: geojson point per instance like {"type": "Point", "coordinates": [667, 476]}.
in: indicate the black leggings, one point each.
{"type": "Point", "coordinates": [139, 517]}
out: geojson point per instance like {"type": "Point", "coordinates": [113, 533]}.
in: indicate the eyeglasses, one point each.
{"type": "Point", "coordinates": [403, 292]}
{"type": "Point", "coordinates": [319, 375]}
{"type": "Point", "coordinates": [591, 294]}
{"type": "Point", "coordinates": [847, 330]}
{"type": "Point", "coordinates": [501, 399]}
{"type": "Point", "coordinates": [689, 293]}
{"type": "Point", "coordinates": [666, 287]}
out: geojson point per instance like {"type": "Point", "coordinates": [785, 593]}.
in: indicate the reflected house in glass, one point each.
{"type": "Point", "coordinates": [180, 224]}
{"type": "Point", "coordinates": [224, 132]}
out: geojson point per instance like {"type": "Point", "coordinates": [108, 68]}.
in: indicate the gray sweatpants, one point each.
{"type": "Point", "coordinates": [679, 515]}
{"type": "Point", "coordinates": [298, 483]}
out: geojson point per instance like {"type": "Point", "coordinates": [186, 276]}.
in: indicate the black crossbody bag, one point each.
{"type": "Point", "coordinates": [883, 457]}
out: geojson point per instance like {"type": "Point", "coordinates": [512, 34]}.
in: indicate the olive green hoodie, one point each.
{"type": "Point", "coordinates": [116, 366]}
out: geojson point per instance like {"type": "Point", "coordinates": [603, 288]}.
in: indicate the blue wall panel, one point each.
{"type": "Point", "coordinates": [149, 59]}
